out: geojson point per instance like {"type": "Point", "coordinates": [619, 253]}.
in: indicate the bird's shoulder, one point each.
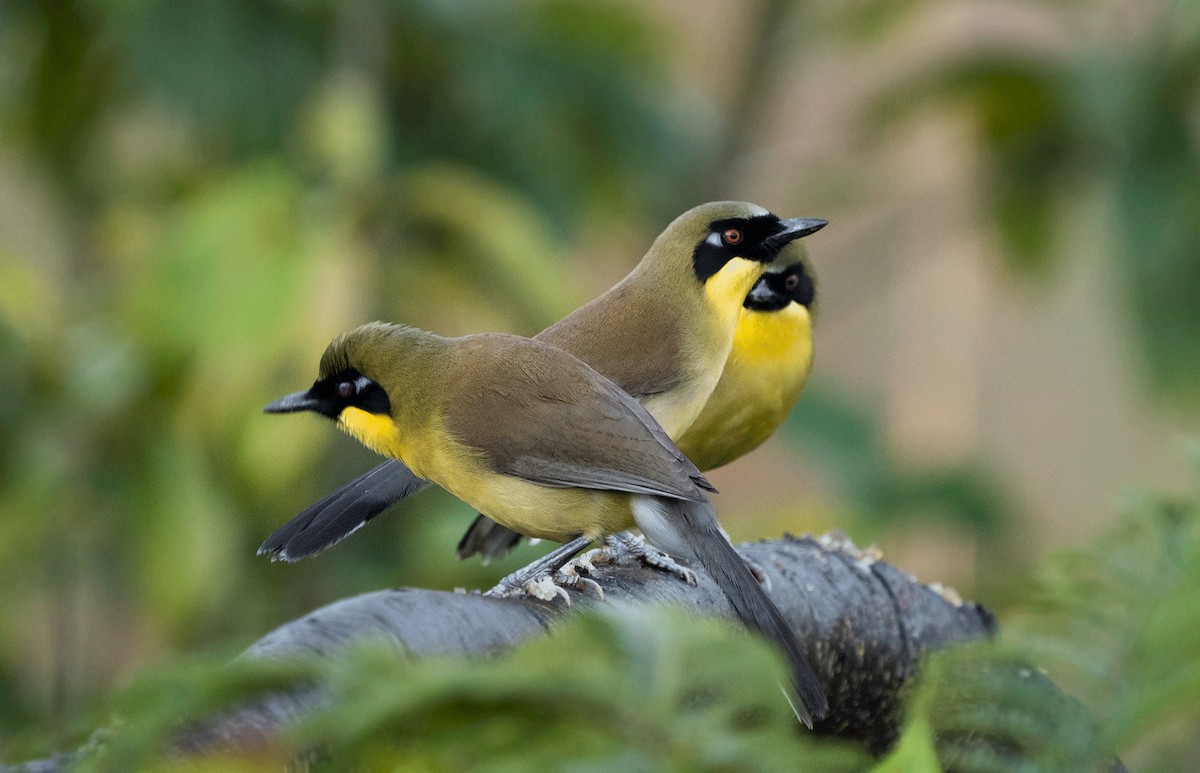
{"type": "Point", "coordinates": [533, 411]}
{"type": "Point", "coordinates": [631, 337]}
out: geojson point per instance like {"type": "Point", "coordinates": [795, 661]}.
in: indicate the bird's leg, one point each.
{"type": "Point", "coordinates": [549, 576]}
{"type": "Point", "coordinates": [626, 543]}
{"type": "Point", "coordinates": [570, 577]}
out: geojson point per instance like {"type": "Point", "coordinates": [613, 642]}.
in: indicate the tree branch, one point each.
{"type": "Point", "coordinates": [863, 623]}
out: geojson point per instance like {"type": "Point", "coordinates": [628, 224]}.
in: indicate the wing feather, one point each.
{"type": "Point", "coordinates": [537, 413]}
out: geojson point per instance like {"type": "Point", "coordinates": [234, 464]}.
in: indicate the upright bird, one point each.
{"type": "Point", "coordinates": [542, 443]}
{"type": "Point", "coordinates": [767, 368]}
{"type": "Point", "coordinates": [662, 334]}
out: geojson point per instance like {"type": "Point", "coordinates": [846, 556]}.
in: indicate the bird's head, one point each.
{"type": "Point", "coordinates": [359, 379]}
{"type": "Point", "coordinates": [788, 280]}
{"type": "Point", "coordinates": [345, 379]}
{"type": "Point", "coordinates": [723, 247]}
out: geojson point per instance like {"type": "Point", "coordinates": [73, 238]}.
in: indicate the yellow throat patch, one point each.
{"type": "Point", "coordinates": [375, 431]}
{"type": "Point", "coordinates": [727, 289]}
{"type": "Point", "coordinates": [765, 338]}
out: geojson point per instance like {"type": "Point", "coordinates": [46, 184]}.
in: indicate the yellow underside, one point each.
{"type": "Point", "coordinates": [764, 375]}
{"type": "Point", "coordinates": [533, 510]}
{"type": "Point", "coordinates": [724, 292]}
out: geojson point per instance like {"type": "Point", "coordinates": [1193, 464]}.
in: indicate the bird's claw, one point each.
{"type": "Point", "coordinates": [549, 587]}
{"type": "Point", "coordinates": [546, 589]}
{"type": "Point", "coordinates": [543, 587]}
{"type": "Point", "coordinates": [540, 579]}
{"type": "Point", "coordinates": [587, 561]}
{"type": "Point", "coordinates": [624, 543]}
{"type": "Point", "coordinates": [551, 584]}
{"type": "Point", "coordinates": [569, 577]}
{"type": "Point", "coordinates": [683, 573]}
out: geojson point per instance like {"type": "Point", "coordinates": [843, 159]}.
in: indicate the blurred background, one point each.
{"type": "Point", "coordinates": [196, 197]}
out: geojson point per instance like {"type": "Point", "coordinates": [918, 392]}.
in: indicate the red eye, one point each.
{"type": "Point", "coordinates": [792, 282]}
{"type": "Point", "coordinates": [732, 236]}
{"type": "Point", "coordinates": [346, 389]}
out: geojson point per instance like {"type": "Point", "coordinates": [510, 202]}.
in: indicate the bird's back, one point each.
{"type": "Point", "coordinates": [640, 338]}
{"type": "Point", "coordinates": [537, 412]}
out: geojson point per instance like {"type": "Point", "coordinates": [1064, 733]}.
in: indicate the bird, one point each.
{"type": "Point", "coordinates": [766, 370]}
{"type": "Point", "coordinates": [765, 373]}
{"type": "Point", "coordinates": [662, 334]}
{"type": "Point", "coordinates": [542, 443]}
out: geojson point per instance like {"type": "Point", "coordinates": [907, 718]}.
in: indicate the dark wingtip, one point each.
{"type": "Point", "coordinates": [488, 539]}
{"type": "Point", "coordinates": [277, 552]}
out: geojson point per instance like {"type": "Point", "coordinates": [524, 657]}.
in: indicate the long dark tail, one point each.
{"type": "Point", "coordinates": [488, 538]}
{"type": "Point", "coordinates": [702, 534]}
{"type": "Point", "coordinates": [343, 512]}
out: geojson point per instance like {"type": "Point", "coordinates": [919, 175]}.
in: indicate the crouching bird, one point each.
{"type": "Point", "coordinates": [541, 443]}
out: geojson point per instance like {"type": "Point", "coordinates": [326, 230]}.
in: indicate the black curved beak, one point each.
{"type": "Point", "coordinates": [295, 402]}
{"type": "Point", "coordinates": [793, 229]}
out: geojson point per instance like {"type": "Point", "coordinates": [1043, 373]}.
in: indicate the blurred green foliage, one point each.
{"type": "Point", "coordinates": [1104, 124]}
{"type": "Point", "coordinates": [1116, 627]}
{"type": "Point", "coordinates": [195, 197]}
{"type": "Point", "coordinates": [657, 690]}
{"type": "Point", "coordinates": [200, 196]}
{"type": "Point", "coordinates": [847, 440]}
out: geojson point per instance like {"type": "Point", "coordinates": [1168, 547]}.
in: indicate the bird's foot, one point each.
{"type": "Point", "coordinates": [623, 543]}
{"type": "Point", "coordinates": [587, 561]}
{"type": "Point", "coordinates": [543, 588]}
{"type": "Point", "coordinates": [549, 577]}
{"type": "Point", "coordinates": [548, 586]}
{"type": "Point", "coordinates": [569, 577]}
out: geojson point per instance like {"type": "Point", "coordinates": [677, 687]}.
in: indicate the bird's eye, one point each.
{"type": "Point", "coordinates": [732, 236]}
{"type": "Point", "coordinates": [792, 282]}
{"type": "Point", "coordinates": [346, 390]}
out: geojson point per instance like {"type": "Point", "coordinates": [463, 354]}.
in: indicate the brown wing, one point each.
{"type": "Point", "coordinates": [537, 413]}
{"type": "Point", "coordinates": [638, 345]}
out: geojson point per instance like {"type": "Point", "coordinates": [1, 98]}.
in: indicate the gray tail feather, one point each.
{"type": "Point", "coordinates": [488, 538]}
{"type": "Point", "coordinates": [719, 559]}
{"type": "Point", "coordinates": [343, 512]}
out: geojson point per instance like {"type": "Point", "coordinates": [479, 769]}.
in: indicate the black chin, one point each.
{"type": "Point", "coordinates": [773, 302]}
